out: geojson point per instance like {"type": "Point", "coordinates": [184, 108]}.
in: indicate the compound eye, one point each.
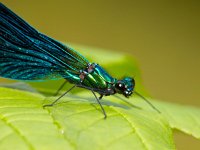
{"type": "Point", "coordinates": [120, 86]}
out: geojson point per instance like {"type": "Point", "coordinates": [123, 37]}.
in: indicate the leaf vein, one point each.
{"type": "Point", "coordinates": [59, 127]}
{"type": "Point", "coordinates": [117, 139]}
{"type": "Point", "coordinates": [14, 129]}
{"type": "Point", "coordinates": [130, 123]}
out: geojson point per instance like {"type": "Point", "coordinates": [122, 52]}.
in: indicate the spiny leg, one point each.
{"type": "Point", "coordinates": [105, 116]}
{"type": "Point", "coordinates": [60, 88]}
{"type": "Point", "coordinates": [48, 105]}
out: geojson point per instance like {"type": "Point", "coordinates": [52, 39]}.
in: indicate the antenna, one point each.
{"type": "Point", "coordinates": [138, 94]}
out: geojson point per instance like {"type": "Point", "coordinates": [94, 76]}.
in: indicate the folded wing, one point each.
{"type": "Point", "coordinates": [26, 54]}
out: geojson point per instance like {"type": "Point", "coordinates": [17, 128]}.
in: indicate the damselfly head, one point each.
{"type": "Point", "coordinates": [125, 86]}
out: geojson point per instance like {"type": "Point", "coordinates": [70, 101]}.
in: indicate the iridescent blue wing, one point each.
{"type": "Point", "coordinates": [26, 54]}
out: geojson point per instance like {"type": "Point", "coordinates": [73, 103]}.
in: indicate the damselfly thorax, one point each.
{"type": "Point", "coordinates": [95, 77]}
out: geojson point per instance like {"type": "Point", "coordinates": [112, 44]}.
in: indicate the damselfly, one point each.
{"type": "Point", "coordinates": [26, 54]}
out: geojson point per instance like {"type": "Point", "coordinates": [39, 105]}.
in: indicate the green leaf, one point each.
{"type": "Point", "coordinates": [180, 117]}
{"type": "Point", "coordinates": [77, 123]}
{"type": "Point", "coordinates": [183, 118]}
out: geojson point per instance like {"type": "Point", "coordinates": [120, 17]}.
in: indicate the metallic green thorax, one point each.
{"type": "Point", "coordinates": [98, 78]}
{"type": "Point", "coordinates": [94, 76]}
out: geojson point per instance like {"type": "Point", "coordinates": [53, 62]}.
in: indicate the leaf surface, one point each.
{"type": "Point", "coordinates": [77, 123]}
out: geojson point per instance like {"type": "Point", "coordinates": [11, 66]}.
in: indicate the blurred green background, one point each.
{"type": "Point", "coordinates": [163, 35]}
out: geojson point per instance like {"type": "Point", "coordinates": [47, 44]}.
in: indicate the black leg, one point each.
{"type": "Point", "coordinates": [48, 105]}
{"type": "Point", "coordinates": [100, 97]}
{"type": "Point", "coordinates": [60, 88]}
{"type": "Point", "coordinates": [105, 116]}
